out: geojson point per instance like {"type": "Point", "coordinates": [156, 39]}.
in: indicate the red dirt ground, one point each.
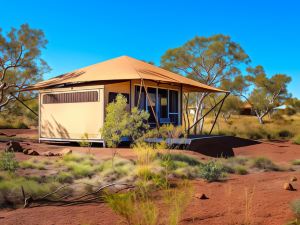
{"type": "Point", "coordinates": [226, 203]}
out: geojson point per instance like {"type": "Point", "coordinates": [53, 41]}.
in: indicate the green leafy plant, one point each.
{"type": "Point", "coordinates": [212, 171]}
{"type": "Point", "coordinates": [296, 140]}
{"type": "Point", "coordinates": [8, 162]}
{"type": "Point", "coordinates": [295, 206]}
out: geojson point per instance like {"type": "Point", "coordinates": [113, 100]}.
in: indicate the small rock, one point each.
{"type": "Point", "coordinates": [48, 153]}
{"type": "Point", "coordinates": [65, 151]}
{"type": "Point", "coordinates": [203, 197]}
{"type": "Point", "coordinates": [293, 179]}
{"type": "Point", "coordinates": [25, 151]}
{"type": "Point", "coordinates": [13, 146]}
{"type": "Point", "coordinates": [288, 186]}
{"type": "Point", "coordinates": [32, 152]}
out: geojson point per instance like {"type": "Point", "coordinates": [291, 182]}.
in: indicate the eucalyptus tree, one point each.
{"type": "Point", "coordinates": [209, 60]}
{"type": "Point", "coordinates": [262, 92]}
{"type": "Point", "coordinates": [20, 62]}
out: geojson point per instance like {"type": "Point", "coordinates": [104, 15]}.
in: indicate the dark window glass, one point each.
{"type": "Point", "coordinates": [113, 95]}
{"type": "Point", "coordinates": [163, 103]}
{"type": "Point", "coordinates": [73, 97]}
{"type": "Point", "coordinates": [173, 99]}
{"type": "Point", "coordinates": [142, 101]}
{"type": "Point", "coordinates": [152, 97]}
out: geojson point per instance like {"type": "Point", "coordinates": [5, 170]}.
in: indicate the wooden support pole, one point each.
{"type": "Point", "coordinates": [150, 102]}
{"type": "Point", "coordinates": [223, 100]}
{"type": "Point", "coordinates": [207, 113]}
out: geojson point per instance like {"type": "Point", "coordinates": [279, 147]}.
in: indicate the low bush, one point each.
{"type": "Point", "coordinates": [212, 171]}
{"type": "Point", "coordinates": [295, 206]}
{"type": "Point", "coordinates": [296, 162]}
{"type": "Point", "coordinates": [10, 194]}
{"type": "Point", "coordinates": [241, 170]}
{"type": "Point", "coordinates": [32, 164]}
{"type": "Point", "coordinates": [264, 164]}
{"type": "Point", "coordinates": [296, 140]}
{"type": "Point", "coordinates": [64, 177]}
{"type": "Point", "coordinates": [8, 162]}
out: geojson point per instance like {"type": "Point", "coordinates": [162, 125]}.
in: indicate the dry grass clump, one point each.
{"type": "Point", "coordinates": [296, 140]}
{"type": "Point", "coordinates": [10, 189]}
{"type": "Point", "coordinates": [286, 127]}
{"type": "Point", "coordinates": [264, 164]}
{"type": "Point", "coordinates": [33, 164]}
{"type": "Point", "coordinates": [295, 206]}
{"type": "Point", "coordinates": [296, 162]}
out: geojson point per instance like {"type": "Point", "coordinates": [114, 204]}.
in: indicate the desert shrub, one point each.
{"type": "Point", "coordinates": [177, 200]}
{"type": "Point", "coordinates": [32, 164]}
{"type": "Point", "coordinates": [64, 177]}
{"type": "Point", "coordinates": [10, 194]}
{"type": "Point", "coordinates": [296, 162]}
{"type": "Point", "coordinates": [212, 171]}
{"type": "Point", "coordinates": [185, 158]}
{"type": "Point", "coordinates": [296, 140]}
{"type": "Point", "coordinates": [264, 164]}
{"type": "Point", "coordinates": [295, 206]}
{"type": "Point", "coordinates": [8, 162]}
{"type": "Point", "coordinates": [240, 170]}
{"type": "Point", "coordinates": [121, 168]}
{"type": "Point", "coordinates": [119, 123]}
{"type": "Point", "coordinates": [80, 169]}
{"type": "Point", "coordinates": [135, 208]}
{"type": "Point", "coordinates": [132, 209]}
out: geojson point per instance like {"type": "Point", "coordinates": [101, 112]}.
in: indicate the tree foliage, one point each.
{"type": "Point", "coordinates": [120, 123]}
{"type": "Point", "coordinates": [262, 92]}
{"type": "Point", "coordinates": [20, 61]}
{"type": "Point", "coordinates": [209, 60]}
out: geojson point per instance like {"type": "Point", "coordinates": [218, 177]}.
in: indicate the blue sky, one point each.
{"type": "Point", "coordinates": [81, 33]}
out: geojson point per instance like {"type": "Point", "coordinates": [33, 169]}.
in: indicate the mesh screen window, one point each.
{"type": "Point", "coordinates": [73, 97]}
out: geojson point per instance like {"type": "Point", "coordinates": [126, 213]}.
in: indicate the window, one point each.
{"type": "Point", "coordinates": [163, 103]}
{"type": "Point", "coordinates": [112, 96]}
{"type": "Point", "coordinates": [140, 98]}
{"type": "Point", "coordinates": [71, 97]}
{"type": "Point", "coordinates": [173, 106]}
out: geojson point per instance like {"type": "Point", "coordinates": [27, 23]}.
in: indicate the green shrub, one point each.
{"type": "Point", "coordinates": [8, 162]}
{"type": "Point", "coordinates": [295, 206]}
{"type": "Point", "coordinates": [212, 171]}
{"type": "Point", "coordinates": [10, 189]}
{"type": "Point", "coordinates": [80, 169]}
{"type": "Point", "coordinates": [64, 177]}
{"type": "Point", "coordinates": [264, 164]}
{"type": "Point", "coordinates": [241, 170]}
{"type": "Point", "coordinates": [32, 164]}
{"type": "Point", "coordinates": [296, 140]}
{"type": "Point", "coordinates": [296, 162]}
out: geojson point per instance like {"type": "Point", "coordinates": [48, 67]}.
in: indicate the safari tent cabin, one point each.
{"type": "Point", "coordinates": [74, 103]}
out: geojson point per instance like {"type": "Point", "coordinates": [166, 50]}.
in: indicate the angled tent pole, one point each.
{"type": "Point", "coordinates": [221, 101]}
{"type": "Point", "coordinates": [150, 102]}
{"type": "Point", "coordinates": [26, 106]}
{"type": "Point", "coordinates": [140, 93]}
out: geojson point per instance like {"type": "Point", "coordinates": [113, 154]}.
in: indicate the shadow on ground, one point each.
{"type": "Point", "coordinates": [218, 146]}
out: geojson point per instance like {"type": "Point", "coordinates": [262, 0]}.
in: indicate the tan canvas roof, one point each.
{"type": "Point", "coordinates": [124, 68]}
